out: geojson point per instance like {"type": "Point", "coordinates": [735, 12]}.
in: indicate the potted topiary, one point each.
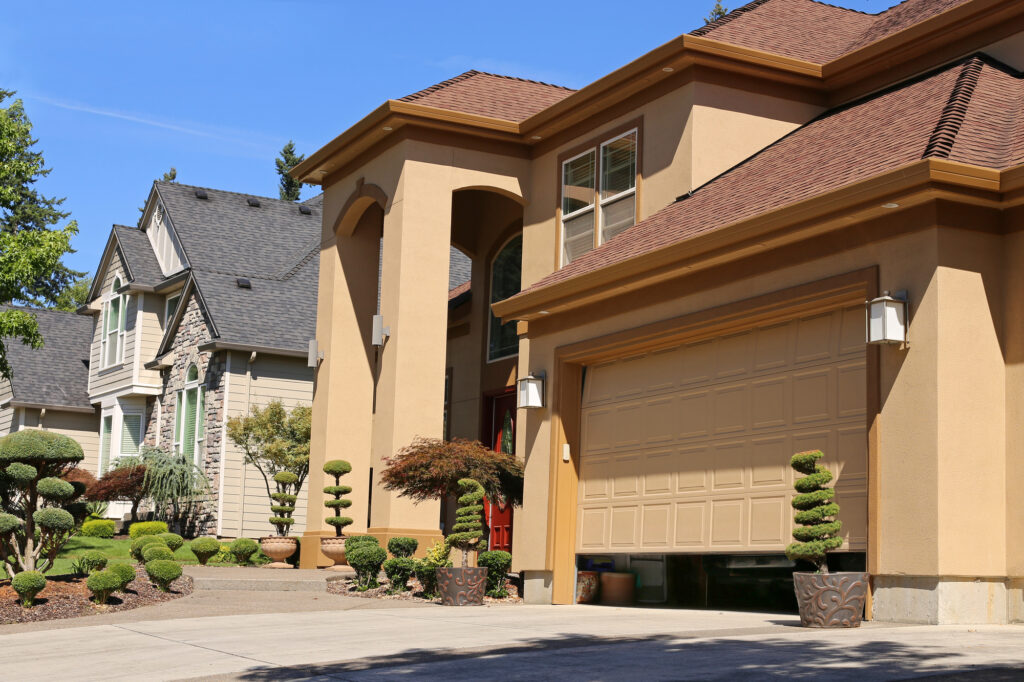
{"type": "Point", "coordinates": [279, 547]}
{"type": "Point", "coordinates": [465, 585]}
{"type": "Point", "coordinates": [826, 600]}
{"type": "Point", "coordinates": [334, 548]}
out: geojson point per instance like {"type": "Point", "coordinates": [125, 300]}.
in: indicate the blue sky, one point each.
{"type": "Point", "coordinates": [119, 92]}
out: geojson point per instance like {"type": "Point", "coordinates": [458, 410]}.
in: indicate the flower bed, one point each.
{"type": "Point", "coordinates": [348, 588]}
{"type": "Point", "coordinates": [68, 597]}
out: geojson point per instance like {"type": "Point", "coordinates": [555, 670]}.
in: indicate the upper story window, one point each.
{"type": "Point", "coordinates": [190, 417]}
{"type": "Point", "coordinates": [114, 323]}
{"type": "Point", "coordinates": [506, 280]}
{"type": "Point", "coordinates": [598, 194]}
{"type": "Point", "coordinates": [171, 306]}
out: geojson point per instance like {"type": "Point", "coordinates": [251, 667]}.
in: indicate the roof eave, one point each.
{"type": "Point", "coordinates": [50, 406]}
{"type": "Point", "coordinates": [252, 348]}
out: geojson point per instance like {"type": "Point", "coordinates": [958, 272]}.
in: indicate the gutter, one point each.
{"type": "Point", "coordinates": [211, 346]}
{"type": "Point", "coordinates": [169, 284]}
{"type": "Point", "coordinates": [47, 406]}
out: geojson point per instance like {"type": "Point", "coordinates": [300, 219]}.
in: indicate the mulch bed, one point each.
{"type": "Point", "coordinates": [67, 597]}
{"type": "Point", "coordinates": [347, 587]}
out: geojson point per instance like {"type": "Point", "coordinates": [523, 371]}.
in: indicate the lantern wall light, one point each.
{"type": "Point", "coordinates": [532, 389]}
{"type": "Point", "coordinates": [886, 318]}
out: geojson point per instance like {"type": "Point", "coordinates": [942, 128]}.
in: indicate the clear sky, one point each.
{"type": "Point", "coordinates": [119, 92]}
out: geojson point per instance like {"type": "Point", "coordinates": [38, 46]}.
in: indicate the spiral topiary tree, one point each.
{"type": "Point", "coordinates": [284, 499]}
{"type": "Point", "coordinates": [35, 521]}
{"type": "Point", "coordinates": [468, 528]}
{"type": "Point", "coordinates": [818, 532]}
{"type": "Point", "coordinates": [338, 468]}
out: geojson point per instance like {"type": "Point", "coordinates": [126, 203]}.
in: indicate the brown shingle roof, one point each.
{"type": "Point", "coordinates": [971, 112]}
{"type": "Point", "coordinates": [487, 94]}
{"type": "Point", "coordinates": [815, 31]}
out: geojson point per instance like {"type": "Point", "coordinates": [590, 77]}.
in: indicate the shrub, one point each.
{"type": "Point", "coordinates": [155, 552]}
{"type": "Point", "coordinates": [97, 510]}
{"type": "Point", "coordinates": [28, 584]}
{"type": "Point", "coordinates": [138, 545]}
{"type": "Point", "coordinates": [338, 468]}
{"type": "Point", "coordinates": [172, 540]}
{"type": "Point", "coordinates": [147, 528]}
{"type": "Point", "coordinates": [402, 547]}
{"type": "Point", "coordinates": [174, 484]}
{"type": "Point", "coordinates": [398, 571]}
{"type": "Point", "coordinates": [818, 532]}
{"type": "Point", "coordinates": [123, 484]}
{"type": "Point", "coordinates": [468, 528]}
{"type": "Point", "coordinates": [163, 572]}
{"type": "Point", "coordinates": [125, 575]}
{"type": "Point", "coordinates": [93, 560]}
{"type": "Point", "coordinates": [223, 555]}
{"type": "Point", "coordinates": [100, 528]}
{"type": "Point", "coordinates": [55, 489]}
{"type": "Point", "coordinates": [243, 548]}
{"type": "Point", "coordinates": [102, 584]}
{"type": "Point", "coordinates": [497, 564]}
{"type": "Point", "coordinates": [426, 568]}
{"type": "Point", "coordinates": [353, 541]}
{"type": "Point", "coordinates": [204, 548]}
{"type": "Point", "coordinates": [366, 559]}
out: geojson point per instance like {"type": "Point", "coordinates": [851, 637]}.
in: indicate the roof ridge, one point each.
{"type": "Point", "coordinates": [850, 9]}
{"type": "Point", "coordinates": [944, 135]}
{"type": "Point", "coordinates": [227, 191]}
{"type": "Point", "coordinates": [525, 80]}
{"type": "Point", "coordinates": [420, 94]}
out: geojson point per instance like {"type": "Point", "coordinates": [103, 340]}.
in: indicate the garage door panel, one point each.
{"type": "Point", "coordinates": [813, 397]}
{"type": "Point", "coordinates": [628, 425]}
{"type": "Point", "coordinates": [656, 526]}
{"type": "Point", "coordinates": [698, 363]}
{"type": "Point", "coordinates": [598, 429]}
{"type": "Point", "coordinates": [771, 347]}
{"type": "Point", "coordinates": [728, 522]}
{"type": "Point", "coordinates": [851, 393]}
{"type": "Point", "coordinates": [814, 339]}
{"type": "Point", "coordinates": [733, 357]}
{"type": "Point", "coordinates": [769, 520]}
{"type": "Point", "coordinates": [658, 421]}
{"type": "Point", "coordinates": [592, 525]}
{"type": "Point", "coordinates": [851, 331]}
{"type": "Point", "coordinates": [694, 414]}
{"type": "Point", "coordinates": [625, 470]}
{"type": "Point", "coordinates": [692, 466]}
{"type": "Point", "coordinates": [691, 525]}
{"type": "Point", "coordinates": [769, 462]}
{"type": "Point", "coordinates": [658, 470]}
{"type": "Point", "coordinates": [729, 465]}
{"type": "Point", "coordinates": [730, 412]}
{"type": "Point", "coordinates": [594, 479]}
{"type": "Point", "coordinates": [625, 527]}
{"type": "Point", "coordinates": [770, 401]}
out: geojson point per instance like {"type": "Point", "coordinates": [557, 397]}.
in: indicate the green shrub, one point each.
{"type": "Point", "coordinates": [91, 561]}
{"type": "Point", "coordinates": [41, 448]}
{"type": "Point", "coordinates": [204, 548]}
{"type": "Point", "coordinates": [54, 520]}
{"type": "Point", "coordinates": [399, 570]}
{"type": "Point", "coordinates": [468, 527]}
{"type": "Point", "coordinates": [366, 559]}
{"type": "Point", "coordinates": [125, 575]}
{"type": "Point", "coordinates": [402, 547]}
{"type": "Point", "coordinates": [172, 540]}
{"type": "Point", "coordinates": [243, 548]}
{"type": "Point", "coordinates": [338, 468]}
{"type": "Point", "coordinates": [223, 555]}
{"type": "Point", "coordinates": [353, 541]}
{"type": "Point", "coordinates": [55, 489]}
{"type": "Point", "coordinates": [147, 528]}
{"type": "Point", "coordinates": [157, 551]}
{"type": "Point", "coordinates": [140, 543]}
{"type": "Point", "coordinates": [100, 528]}
{"type": "Point", "coordinates": [497, 564]}
{"type": "Point", "coordinates": [818, 532]}
{"type": "Point", "coordinates": [426, 568]}
{"type": "Point", "coordinates": [163, 572]}
{"type": "Point", "coordinates": [102, 584]}
{"type": "Point", "coordinates": [28, 584]}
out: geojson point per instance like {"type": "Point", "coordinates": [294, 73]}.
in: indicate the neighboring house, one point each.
{"type": "Point", "coordinates": [48, 389]}
{"type": "Point", "coordinates": [694, 237]}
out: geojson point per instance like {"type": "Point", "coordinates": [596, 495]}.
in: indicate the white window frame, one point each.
{"type": "Point", "coordinates": [167, 307]}
{"type": "Point", "coordinates": [598, 204]}
{"type": "Point", "coordinates": [179, 416]}
{"type": "Point", "coordinates": [122, 325]}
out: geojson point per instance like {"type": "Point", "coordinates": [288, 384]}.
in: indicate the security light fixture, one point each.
{"type": "Point", "coordinates": [531, 390]}
{"type": "Point", "coordinates": [886, 318]}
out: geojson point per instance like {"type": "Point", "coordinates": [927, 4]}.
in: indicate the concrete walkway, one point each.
{"type": "Point", "coordinates": [503, 643]}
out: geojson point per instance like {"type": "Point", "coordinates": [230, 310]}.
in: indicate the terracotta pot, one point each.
{"type": "Point", "coordinates": [334, 549]}
{"type": "Point", "coordinates": [618, 589]}
{"type": "Point", "coordinates": [830, 600]}
{"type": "Point", "coordinates": [462, 586]}
{"type": "Point", "coordinates": [278, 548]}
{"type": "Point", "coordinates": [587, 583]}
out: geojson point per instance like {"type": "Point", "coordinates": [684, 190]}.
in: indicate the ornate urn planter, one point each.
{"type": "Point", "coordinates": [830, 600]}
{"type": "Point", "coordinates": [278, 548]}
{"type": "Point", "coordinates": [334, 549]}
{"type": "Point", "coordinates": [462, 586]}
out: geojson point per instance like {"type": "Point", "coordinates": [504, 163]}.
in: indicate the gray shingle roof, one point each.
{"type": "Point", "coordinates": [56, 375]}
{"type": "Point", "coordinates": [136, 249]}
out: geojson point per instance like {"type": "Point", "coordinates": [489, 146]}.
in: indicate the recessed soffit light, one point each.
{"type": "Point", "coordinates": [388, 128]}
{"type": "Point", "coordinates": [890, 205]}
{"type": "Point", "coordinates": [668, 69]}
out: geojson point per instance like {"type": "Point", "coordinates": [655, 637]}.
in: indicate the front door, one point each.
{"type": "Point", "coordinates": [497, 515]}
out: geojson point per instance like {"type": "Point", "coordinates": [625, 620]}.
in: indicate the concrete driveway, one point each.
{"type": "Point", "coordinates": [507, 643]}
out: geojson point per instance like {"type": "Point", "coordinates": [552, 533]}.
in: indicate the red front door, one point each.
{"type": "Point", "coordinates": [498, 516]}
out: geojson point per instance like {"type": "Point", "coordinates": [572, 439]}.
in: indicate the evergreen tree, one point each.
{"type": "Point", "coordinates": [289, 188]}
{"type": "Point", "coordinates": [31, 244]}
{"type": "Point", "coordinates": [74, 296]}
{"type": "Point", "coordinates": [170, 176]}
{"type": "Point", "coordinates": [717, 12]}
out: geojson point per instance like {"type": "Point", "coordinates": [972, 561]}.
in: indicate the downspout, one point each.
{"type": "Point", "coordinates": [245, 472]}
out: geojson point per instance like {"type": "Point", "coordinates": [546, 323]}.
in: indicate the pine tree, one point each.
{"type": "Point", "coordinates": [289, 188]}
{"type": "Point", "coordinates": [170, 176]}
{"type": "Point", "coordinates": [31, 246]}
{"type": "Point", "coordinates": [717, 12]}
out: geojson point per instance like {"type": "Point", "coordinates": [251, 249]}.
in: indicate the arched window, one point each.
{"type": "Point", "coordinates": [506, 280]}
{"type": "Point", "coordinates": [114, 314]}
{"type": "Point", "coordinates": [190, 417]}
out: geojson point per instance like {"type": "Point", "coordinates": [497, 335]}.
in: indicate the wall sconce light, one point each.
{"type": "Point", "coordinates": [887, 318]}
{"type": "Point", "coordinates": [531, 390]}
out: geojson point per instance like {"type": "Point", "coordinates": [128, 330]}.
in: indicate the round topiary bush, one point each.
{"type": "Point", "coordinates": [353, 541]}
{"type": "Point", "coordinates": [399, 570]}
{"type": "Point", "coordinates": [139, 544]}
{"type": "Point", "coordinates": [497, 563]}
{"type": "Point", "coordinates": [99, 528]}
{"type": "Point", "coordinates": [147, 528]}
{"type": "Point", "coordinates": [55, 489]}
{"type": "Point", "coordinates": [94, 560]}
{"type": "Point", "coordinates": [125, 575]}
{"type": "Point", "coordinates": [156, 551]}
{"type": "Point", "coordinates": [818, 532]}
{"type": "Point", "coordinates": [204, 549]}
{"type": "Point", "coordinates": [101, 584]}
{"type": "Point", "coordinates": [338, 468]}
{"type": "Point", "coordinates": [40, 449]}
{"type": "Point", "coordinates": [54, 520]}
{"type": "Point", "coordinates": [243, 549]}
{"type": "Point", "coordinates": [402, 547]}
{"type": "Point", "coordinates": [28, 584]}
{"type": "Point", "coordinates": [172, 540]}
{"type": "Point", "coordinates": [287, 488]}
{"type": "Point", "coordinates": [163, 572]}
{"type": "Point", "coordinates": [366, 559]}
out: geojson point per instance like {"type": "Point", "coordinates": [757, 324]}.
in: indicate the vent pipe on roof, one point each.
{"type": "Point", "coordinates": [253, 202]}
{"type": "Point", "coordinates": [201, 194]}
{"type": "Point", "coordinates": [305, 210]}
{"type": "Point", "coordinates": [243, 283]}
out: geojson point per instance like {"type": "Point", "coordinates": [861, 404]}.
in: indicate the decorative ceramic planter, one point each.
{"type": "Point", "coordinates": [278, 548]}
{"type": "Point", "coordinates": [462, 586]}
{"type": "Point", "coordinates": [334, 549]}
{"type": "Point", "coordinates": [830, 600]}
{"type": "Point", "coordinates": [587, 583]}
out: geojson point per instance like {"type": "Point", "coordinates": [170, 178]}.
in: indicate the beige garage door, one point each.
{"type": "Point", "coordinates": [687, 450]}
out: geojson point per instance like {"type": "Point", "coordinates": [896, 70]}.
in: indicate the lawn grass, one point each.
{"type": "Point", "coordinates": [117, 549]}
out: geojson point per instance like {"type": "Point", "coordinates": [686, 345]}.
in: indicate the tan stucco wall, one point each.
{"type": "Point", "coordinates": [1013, 342]}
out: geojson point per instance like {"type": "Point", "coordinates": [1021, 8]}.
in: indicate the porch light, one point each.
{"type": "Point", "coordinates": [531, 390]}
{"type": "Point", "coordinates": [887, 318]}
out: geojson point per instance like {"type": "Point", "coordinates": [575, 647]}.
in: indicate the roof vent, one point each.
{"type": "Point", "coordinates": [242, 282]}
{"type": "Point", "coordinates": [253, 202]}
{"type": "Point", "coordinates": [201, 194]}
{"type": "Point", "coordinates": [305, 210]}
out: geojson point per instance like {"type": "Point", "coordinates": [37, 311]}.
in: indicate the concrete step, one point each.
{"type": "Point", "coordinates": [252, 578]}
